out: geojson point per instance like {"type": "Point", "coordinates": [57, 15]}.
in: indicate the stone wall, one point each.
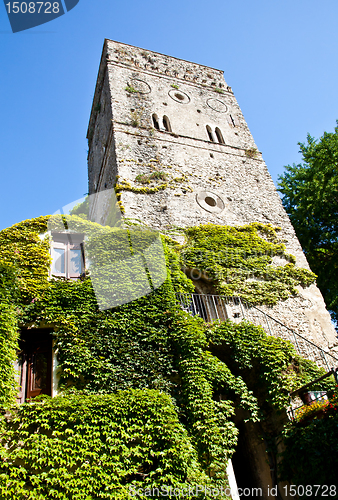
{"type": "Point", "coordinates": [173, 172]}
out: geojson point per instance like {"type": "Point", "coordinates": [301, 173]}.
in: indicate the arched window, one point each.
{"type": "Point", "coordinates": [210, 134]}
{"type": "Point", "coordinates": [219, 136]}
{"type": "Point", "coordinates": [166, 124]}
{"type": "Point", "coordinates": [155, 122]}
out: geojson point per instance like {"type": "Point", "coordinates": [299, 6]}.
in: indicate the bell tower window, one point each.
{"type": "Point", "coordinates": [219, 136]}
{"type": "Point", "coordinates": [210, 134]}
{"type": "Point", "coordinates": [166, 124]}
{"type": "Point", "coordinates": [155, 122]}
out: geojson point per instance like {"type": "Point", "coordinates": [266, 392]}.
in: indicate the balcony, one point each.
{"type": "Point", "coordinates": [221, 308]}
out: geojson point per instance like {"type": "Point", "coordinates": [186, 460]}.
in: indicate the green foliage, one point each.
{"type": "Point", "coordinates": [180, 282]}
{"type": "Point", "coordinates": [266, 363]}
{"type": "Point", "coordinates": [239, 261]}
{"type": "Point", "coordinates": [251, 153]}
{"type": "Point", "coordinates": [311, 454]}
{"type": "Point", "coordinates": [9, 290]}
{"type": "Point", "coordinates": [234, 388]}
{"type": "Point", "coordinates": [131, 90]}
{"type": "Point", "coordinates": [81, 209]}
{"type": "Point", "coordinates": [24, 270]}
{"type": "Point", "coordinates": [103, 351]}
{"type": "Point", "coordinates": [8, 353]}
{"type": "Point", "coordinates": [146, 345]}
{"type": "Point", "coordinates": [21, 246]}
{"type": "Point", "coordinates": [307, 371]}
{"type": "Point", "coordinates": [136, 115]}
{"type": "Point", "coordinates": [98, 447]}
{"type": "Point", "coordinates": [8, 334]}
{"type": "Point", "coordinates": [126, 186]}
{"type": "Point", "coordinates": [146, 179]}
{"type": "Point", "coordinates": [174, 86]}
{"type": "Point", "coordinates": [125, 264]}
{"type": "Point", "coordinates": [310, 197]}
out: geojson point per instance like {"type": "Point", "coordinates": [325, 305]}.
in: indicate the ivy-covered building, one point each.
{"type": "Point", "coordinates": [142, 335]}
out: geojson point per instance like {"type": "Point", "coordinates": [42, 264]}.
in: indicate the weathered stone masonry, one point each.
{"type": "Point", "coordinates": [172, 138]}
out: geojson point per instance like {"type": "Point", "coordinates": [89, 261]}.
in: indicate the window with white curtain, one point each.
{"type": "Point", "coordinates": [68, 255]}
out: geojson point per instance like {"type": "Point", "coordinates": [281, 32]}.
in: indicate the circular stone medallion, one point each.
{"type": "Point", "coordinates": [210, 202]}
{"type": "Point", "coordinates": [141, 86]}
{"type": "Point", "coordinates": [179, 96]}
{"type": "Point", "coordinates": [217, 105]}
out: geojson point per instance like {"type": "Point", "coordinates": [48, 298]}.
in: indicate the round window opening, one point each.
{"type": "Point", "coordinates": [179, 96]}
{"type": "Point", "coordinates": [140, 86]}
{"type": "Point", "coordinates": [210, 201]}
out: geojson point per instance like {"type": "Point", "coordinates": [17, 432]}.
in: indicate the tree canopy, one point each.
{"type": "Point", "coordinates": [310, 197]}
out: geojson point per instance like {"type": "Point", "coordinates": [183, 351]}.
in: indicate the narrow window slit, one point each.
{"type": "Point", "coordinates": [155, 122]}
{"type": "Point", "coordinates": [211, 137]}
{"type": "Point", "coordinates": [166, 124]}
{"type": "Point", "coordinates": [219, 136]}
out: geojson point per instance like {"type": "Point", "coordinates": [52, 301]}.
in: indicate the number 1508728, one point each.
{"type": "Point", "coordinates": [33, 7]}
{"type": "Point", "coordinates": [311, 490]}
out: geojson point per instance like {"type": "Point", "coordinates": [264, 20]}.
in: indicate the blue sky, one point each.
{"type": "Point", "coordinates": [280, 58]}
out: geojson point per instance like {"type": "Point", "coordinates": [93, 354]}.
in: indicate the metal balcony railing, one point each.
{"type": "Point", "coordinates": [221, 308]}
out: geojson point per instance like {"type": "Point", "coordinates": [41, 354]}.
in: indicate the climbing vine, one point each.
{"type": "Point", "coordinates": [194, 376]}
{"type": "Point", "coordinates": [101, 447]}
{"type": "Point", "coordinates": [311, 451]}
{"type": "Point", "coordinates": [152, 179]}
{"type": "Point", "coordinates": [25, 247]}
{"type": "Point", "coordinates": [238, 260]}
{"type": "Point", "coordinates": [126, 186]}
{"type": "Point", "coordinates": [270, 365]}
{"type": "Point", "coordinates": [8, 333]}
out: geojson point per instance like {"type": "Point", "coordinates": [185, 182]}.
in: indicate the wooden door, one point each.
{"type": "Point", "coordinates": [35, 364]}
{"type": "Point", "coordinates": [21, 368]}
{"type": "Point", "coordinates": [39, 368]}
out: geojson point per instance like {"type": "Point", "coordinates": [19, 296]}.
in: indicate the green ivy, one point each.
{"type": "Point", "coordinates": [269, 365]}
{"type": "Point", "coordinates": [99, 447]}
{"type": "Point", "coordinates": [131, 90]}
{"type": "Point", "coordinates": [22, 247]}
{"type": "Point", "coordinates": [146, 179]}
{"type": "Point", "coordinates": [126, 186]}
{"type": "Point", "coordinates": [311, 453]}
{"type": "Point", "coordinates": [81, 209]}
{"type": "Point", "coordinates": [238, 260]}
{"type": "Point", "coordinates": [8, 334]}
{"type": "Point", "coordinates": [202, 373]}
{"type": "Point", "coordinates": [157, 172]}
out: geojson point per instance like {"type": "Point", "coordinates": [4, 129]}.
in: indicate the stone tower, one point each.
{"type": "Point", "coordinates": [170, 137]}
